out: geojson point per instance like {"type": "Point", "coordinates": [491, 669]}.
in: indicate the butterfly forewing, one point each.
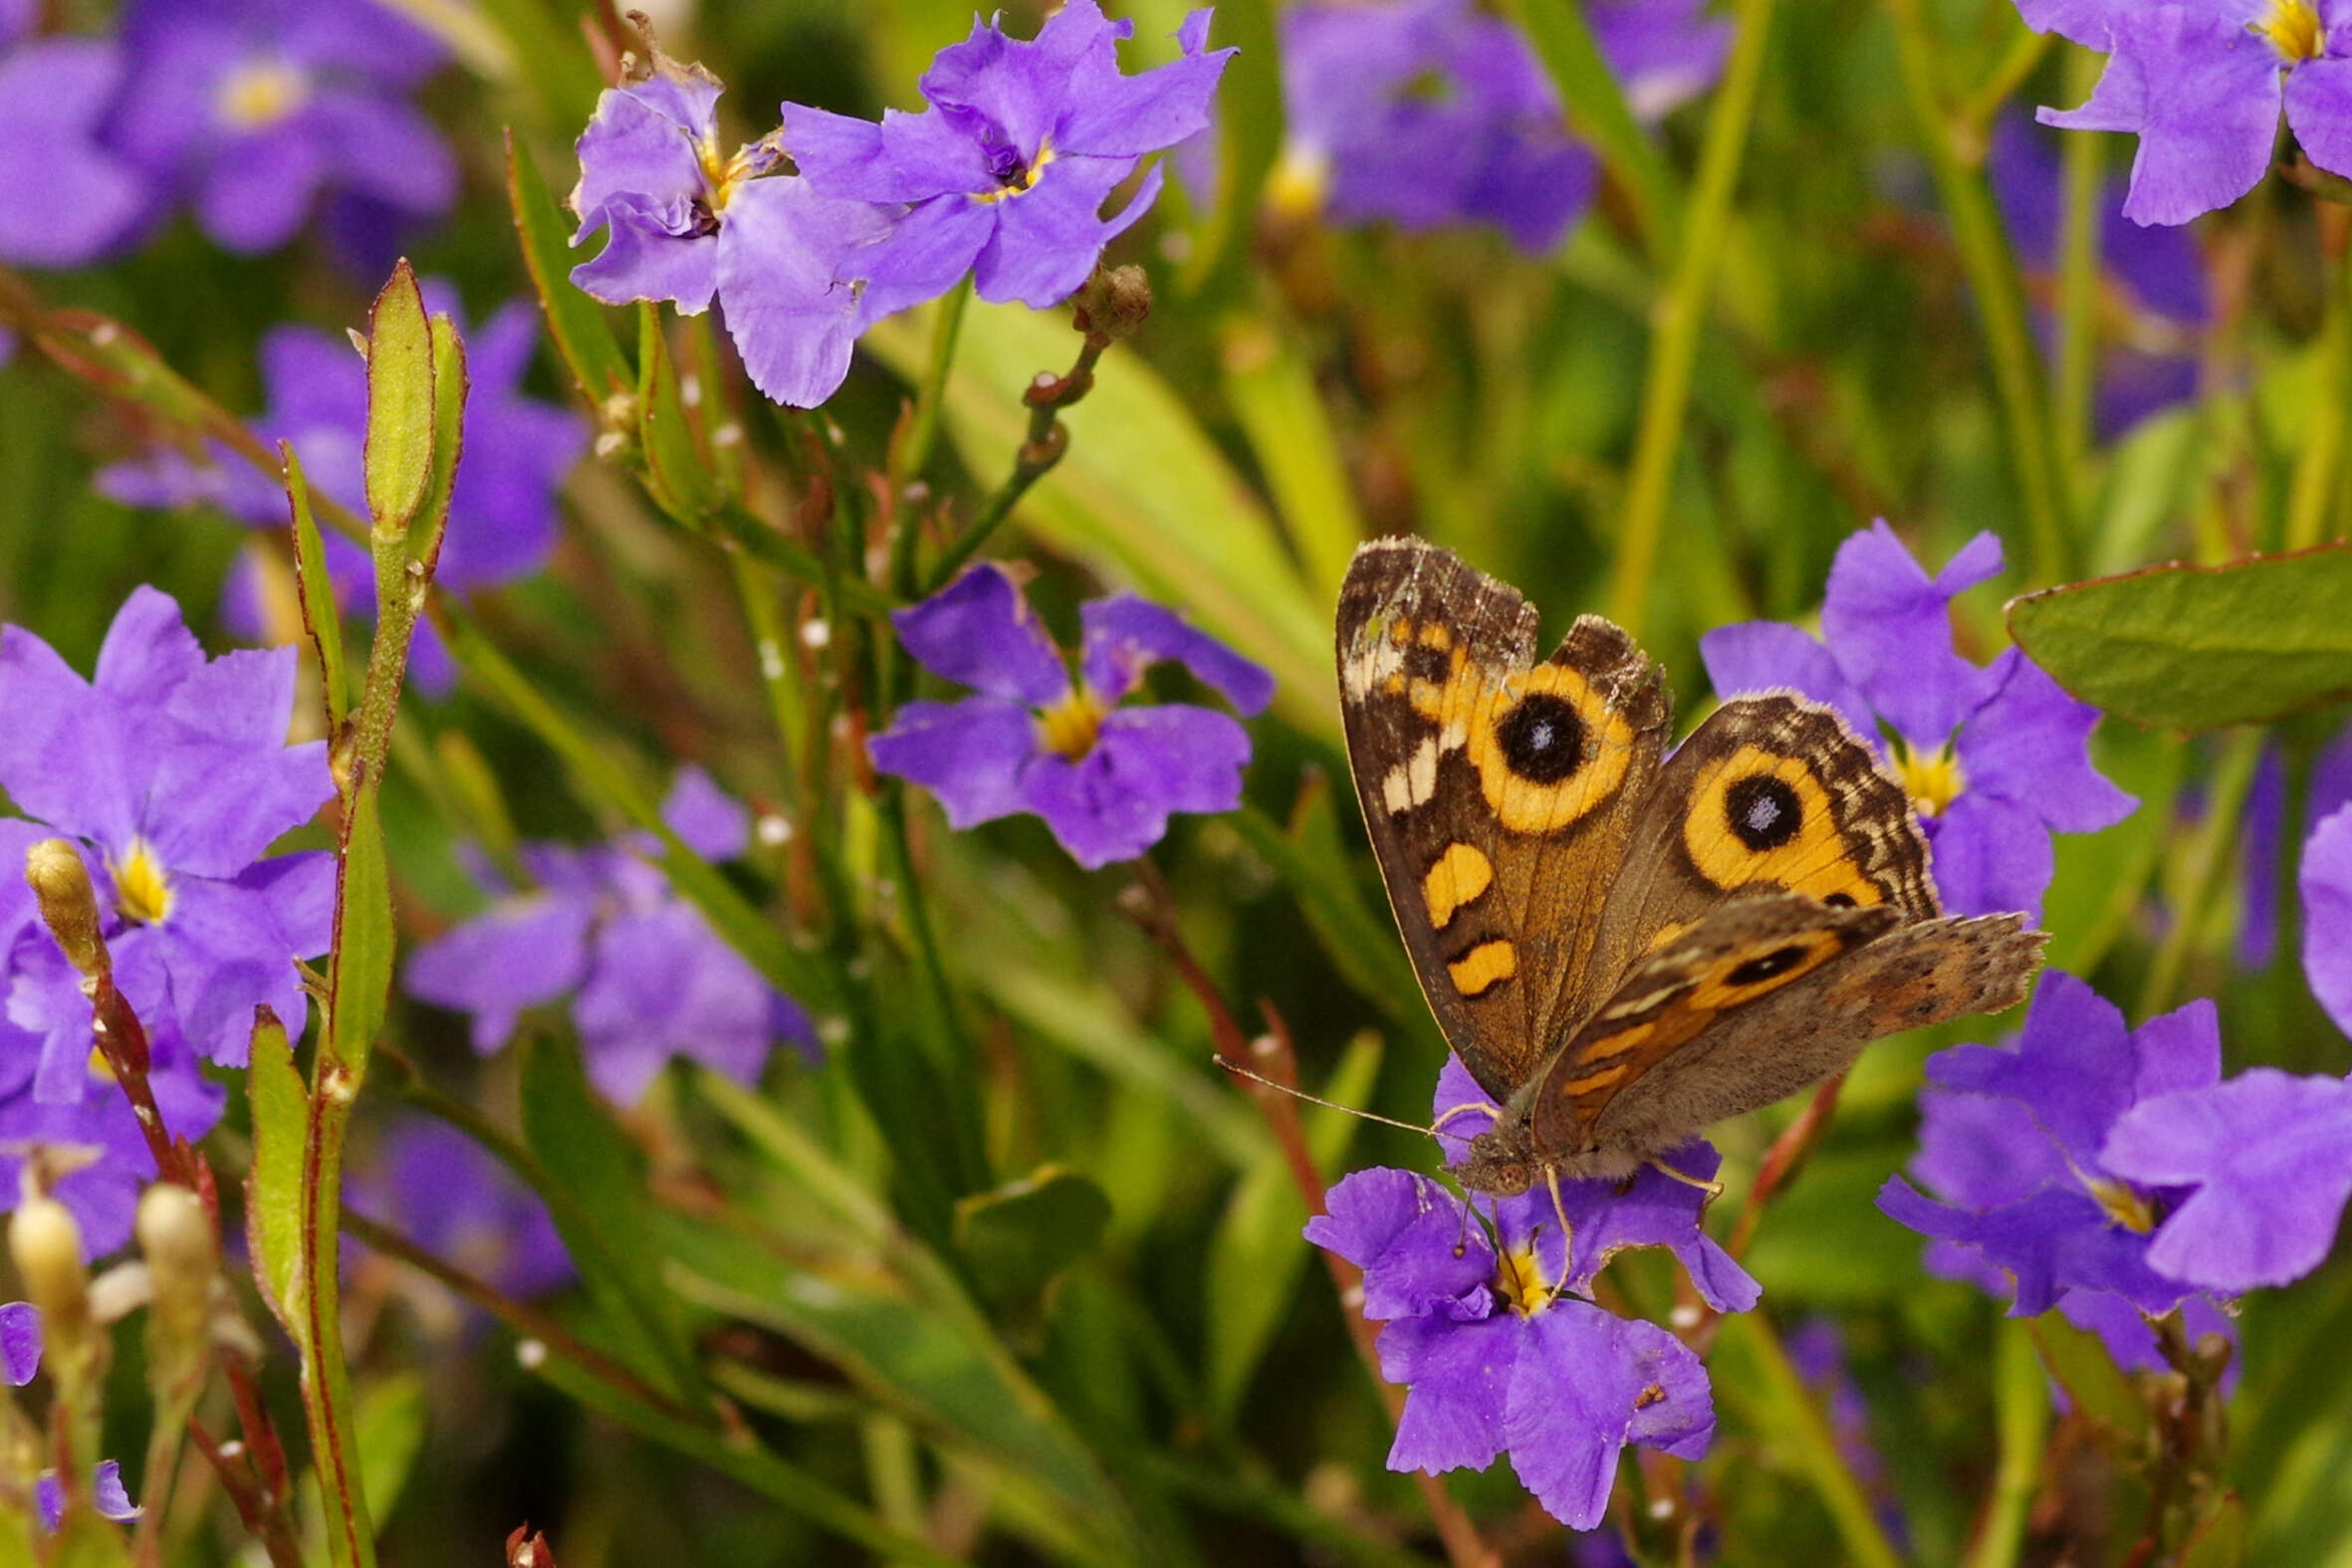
{"type": "Point", "coordinates": [1499, 793]}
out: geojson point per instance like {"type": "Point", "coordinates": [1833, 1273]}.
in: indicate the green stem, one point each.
{"type": "Point", "coordinates": [2207, 867]}
{"type": "Point", "coordinates": [2319, 463]}
{"type": "Point", "coordinates": [2078, 282]}
{"type": "Point", "coordinates": [2020, 1413]}
{"type": "Point", "coordinates": [1598, 112]}
{"type": "Point", "coordinates": [1046, 440]}
{"type": "Point", "coordinates": [1681, 312]}
{"type": "Point", "coordinates": [947, 327]}
{"type": "Point", "coordinates": [1992, 276]}
{"type": "Point", "coordinates": [1794, 1424]}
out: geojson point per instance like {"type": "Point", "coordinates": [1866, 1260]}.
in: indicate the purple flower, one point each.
{"type": "Point", "coordinates": [174, 772]}
{"type": "Point", "coordinates": [687, 223]}
{"type": "Point", "coordinates": [454, 1199]}
{"type": "Point", "coordinates": [20, 1354]}
{"type": "Point", "coordinates": [1494, 1353]}
{"type": "Point", "coordinates": [1429, 113]}
{"type": "Point", "coordinates": [254, 110]}
{"type": "Point", "coordinates": [2327, 915]}
{"type": "Point", "coordinates": [2267, 870]}
{"type": "Point", "coordinates": [2154, 279]}
{"type": "Point", "coordinates": [1105, 778]}
{"type": "Point", "coordinates": [1996, 758]}
{"type": "Point", "coordinates": [2262, 1165]}
{"type": "Point", "coordinates": [65, 200]}
{"type": "Point", "coordinates": [2130, 1337]}
{"type": "Point", "coordinates": [1005, 174]}
{"type": "Point", "coordinates": [503, 520]}
{"type": "Point", "coordinates": [2016, 1140]}
{"type": "Point", "coordinates": [2201, 86]}
{"type": "Point", "coordinates": [648, 978]}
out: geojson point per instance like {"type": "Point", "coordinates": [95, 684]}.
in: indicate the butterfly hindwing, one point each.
{"type": "Point", "coordinates": [1499, 792]}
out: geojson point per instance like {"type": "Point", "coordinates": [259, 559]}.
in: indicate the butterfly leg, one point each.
{"type": "Point", "coordinates": [1568, 1231]}
{"type": "Point", "coordinates": [1713, 1190]}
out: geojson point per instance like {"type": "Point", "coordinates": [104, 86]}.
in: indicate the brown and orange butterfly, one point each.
{"type": "Point", "coordinates": [1622, 944]}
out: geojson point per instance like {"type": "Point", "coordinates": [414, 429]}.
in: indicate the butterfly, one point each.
{"type": "Point", "coordinates": [1623, 943]}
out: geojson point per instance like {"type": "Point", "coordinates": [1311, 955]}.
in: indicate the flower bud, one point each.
{"type": "Point", "coordinates": [47, 1246]}
{"type": "Point", "coordinates": [1113, 303]}
{"type": "Point", "coordinates": [176, 1239]}
{"type": "Point", "coordinates": [69, 905]}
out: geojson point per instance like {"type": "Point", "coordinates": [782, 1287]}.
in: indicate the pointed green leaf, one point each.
{"type": "Point", "coordinates": [1020, 1236]}
{"type": "Point", "coordinates": [320, 617]}
{"type": "Point", "coordinates": [2200, 647]}
{"type": "Point", "coordinates": [677, 476]}
{"type": "Point", "coordinates": [392, 1432]}
{"type": "Point", "coordinates": [399, 450]}
{"type": "Point", "coordinates": [583, 338]}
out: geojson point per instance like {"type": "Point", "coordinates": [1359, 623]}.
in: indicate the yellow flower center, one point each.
{"type": "Point", "coordinates": [2294, 26]}
{"type": "Point", "coordinates": [1297, 185]}
{"type": "Point", "coordinates": [2123, 1205]}
{"type": "Point", "coordinates": [1518, 1280]}
{"type": "Point", "coordinates": [1933, 780]}
{"type": "Point", "coordinates": [261, 93]}
{"type": "Point", "coordinates": [722, 173]}
{"type": "Point", "coordinates": [1026, 178]}
{"type": "Point", "coordinates": [1070, 728]}
{"type": "Point", "coordinates": [142, 889]}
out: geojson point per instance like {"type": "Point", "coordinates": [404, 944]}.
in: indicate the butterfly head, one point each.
{"type": "Point", "coordinates": [1497, 1165]}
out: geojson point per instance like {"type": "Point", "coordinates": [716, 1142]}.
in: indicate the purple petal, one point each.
{"type": "Point", "coordinates": [2130, 1340]}
{"type": "Point", "coordinates": [107, 1496]}
{"type": "Point", "coordinates": [1889, 625]}
{"type": "Point", "coordinates": [1655, 1210]}
{"type": "Point", "coordinates": [259, 190]}
{"type": "Point", "coordinates": [970, 754]}
{"type": "Point", "coordinates": [213, 810]}
{"type": "Point", "coordinates": [1532, 188]}
{"type": "Point", "coordinates": [1126, 634]}
{"type": "Point", "coordinates": [148, 650]}
{"type": "Point", "coordinates": [2326, 884]}
{"type": "Point", "coordinates": [2180, 1049]}
{"type": "Point", "coordinates": [224, 954]}
{"type": "Point", "coordinates": [1664, 52]}
{"type": "Point", "coordinates": [1586, 1383]}
{"type": "Point", "coordinates": [907, 157]}
{"type": "Point", "coordinates": [65, 754]}
{"type": "Point", "coordinates": [978, 631]}
{"type": "Point", "coordinates": [299, 889]}
{"type": "Point", "coordinates": [663, 983]}
{"type": "Point", "coordinates": [2030, 743]}
{"type": "Point", "coordinates": [383, 149]}
{"type": "Point", "coordinates": [792, 316]}
{"type": "Point", "coordinates": [2085, 22]}
{"type": "Point", "coordinates": [2271, 1157]}
{"type": "Point", "coordinates": [1411, 1238]}
{"type": "Point", "coordinates": [1457, 1377]}
{"type": "Point", "coordinates": [1989, 857]}
{"type": "Point", "coordinates": [1048, 237]}
{"type": "Point", "coordinates": [65, 200]}
{"type": "Point", "coordinates": [1459, 1109]}
{"type": "Point", "coordinates": [1771, 655]}
{"type": "Point", "coordinates": [650, 254]}
{"type": "Point", "coordinates": [637, 146]}
{"type": "Point", "coordinates": [2319, 109]}
{"type": "Point", "coordinates": [922, 256]}
{"type": "Point", "coordinates": [2051, 1242]}
{"type": "Point", "coordinates": [1022, 86]}
{"type": "Point", "coordinates": [1976, 1151]}
{"type": "Point", "coordinates": [2201, 93]}
{"type": "Point", "coordinates": [2073, 1067]}
{"type": "Point", "coordinates": [713, 823]}
{"type": "Point", "coordinates": [516, 955]}
{"type": "Point", "coordinates": [1114, 803]}
{"type": "Point", "coordinates": [20, 1342]}
{"type": "Point", "coordinates": [1116, 115]}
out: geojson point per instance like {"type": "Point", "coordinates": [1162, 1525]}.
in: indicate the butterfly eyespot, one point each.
{"type": "Point", "coordinates": [1841, 901]}
{"type": "Point", "coordinates": [1762, 811]}
{"type": "Point", "coordinates": [1776, 963]}
{"type": "Point", "coordinates": [1543, 738]}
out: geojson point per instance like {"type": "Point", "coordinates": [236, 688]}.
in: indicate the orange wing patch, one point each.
{"type": "Point", "coordinates": [1762, 816]}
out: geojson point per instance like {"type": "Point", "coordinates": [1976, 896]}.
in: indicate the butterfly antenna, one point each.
{"type": "Point", "coordinates": [1240, 1071]}
{"type": "Point", "coordinates": [1568, 1231]}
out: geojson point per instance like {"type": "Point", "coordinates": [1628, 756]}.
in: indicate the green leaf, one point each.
{"type": "Point", "coordinates": [1257, 1257]}
{"type": "Point", "coordinates": [450, 386]}
{"type": "Point", "coordinates": [605, 1225]}
{"type": "Point", "coordinates": [2200, 647]}
{"type": "Point", "coordinates": [363, 937]}
{"type": "Point", "coordinates": [1274, 394]}
{"type": "Point", "coordinates": [273, 1185]}
{"type": "Point", "coordinates": [320, 617]}
{"type": "Point", "coordinates": [2219, 1540]}
{"type": "Point", "coordinates": [677, 475]}
{"type": "Point", "coordinates": [1143, 494]}
{"type": "Point", "coordinates": [399, 450]}
{"type": "Point", "coordinates": [1316, 867]}
{"type": "Point", "coordinates": [583, 338]}
{"type": "Point", "coordinates": [1020, 1236]}
{"type": "Point", "coordinates": [550, 53]}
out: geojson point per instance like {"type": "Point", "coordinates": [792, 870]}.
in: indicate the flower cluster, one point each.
{"type": "Point", "coordinates": [1492, 1328]}
{"type": "Point", "coordinates": [1995, 757]}
{"type": "Point", "coordinates": [170, 773]}
{"type": "Point", "coordinates": [1105, 778]}
{"type": "Point", "coordinates": [20, 1360]}
{"type": "Point", "coordinates": [1002, 176]}
{"type": "Point", "coordinates": [648, 978]}
{"type": "Point", "coordinates": [2202, 88]}
{"type": "Point", "coordinates": [502, 511]}
{"type": "Point", "coordinates": [1431, 113]}
{"type": "Point", "coordinates": [2090, 1159]}
{"type": "Point", "coordinates": [251, 112]}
